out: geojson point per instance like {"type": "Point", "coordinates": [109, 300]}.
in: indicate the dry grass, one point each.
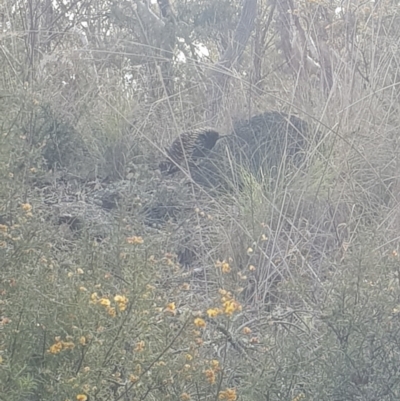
{"type": "Point", "coordinates": [285, 289]}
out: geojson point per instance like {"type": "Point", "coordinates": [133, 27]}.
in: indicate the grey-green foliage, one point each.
{"type": "Point", "coordinates": [339, 339]}
{"type": "Point", "coordinates": [60, 142]}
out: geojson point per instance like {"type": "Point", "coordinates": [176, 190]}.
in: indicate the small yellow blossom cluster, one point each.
{"type": "Point", "coordinates": [135, 240]}
{"type": "Point", "coordinates": [224, 266]}
{"type": "Point", "coordinates": [11, 233]}
{"type": "Point", "coordinates": [229, 304]}
{"type": "Point", "coordinates": [170, 259]}
{"type": "Point", "coordinates": [199, 322]}
{"type": "Point", "coordinates": [299, 397]}
{"type": "Point", "coordinates": [133, 378]}
{"type": "Point", "coordinates": [83, 340]}
{"type": "Point", "coordinates": [81, 397]}
{"type": "Point", "coordinates": [210, 376]}
{"type": "Point", "coordinates": [213, 312]}
{"type": "Point", "coordinates": [120, 300]}
{"type": "Point", "coordinates": [229, 394]}
{"type": "Point", "coordinates": [246, 330]}
{"type": "Point", "coordinates": [185, 397]}
{"type": "Point", "coordinates": [171, 308]}
{"type": "Point", "coordinates": [139, 347]}
{"type": "Point", "coordinates": [210, 373]}
{"type": "Point", "coordinates": [60, 345]}
{"type": "Point", "coordinates": [27, 208]}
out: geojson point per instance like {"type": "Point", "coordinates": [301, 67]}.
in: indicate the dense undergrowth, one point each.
{"type": "Point", "coordinates": [119, 284]}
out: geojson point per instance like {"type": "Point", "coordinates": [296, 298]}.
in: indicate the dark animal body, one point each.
{"type": "Point", "coordinates": [188, 148]}
{"type": "Point", "coordinates": [256, 146]}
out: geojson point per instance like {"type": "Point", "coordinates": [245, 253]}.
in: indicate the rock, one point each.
{"type": "Point", "coordinates": [255, 146]}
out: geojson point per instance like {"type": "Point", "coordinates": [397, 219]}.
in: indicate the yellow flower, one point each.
{"type": "Point", "coordinates": [246, 330]}
{"type": "Point", "coordinates": [58, 346]}
{"type": "Point", "coordinates": [94, 297]}
{"type": "Point", "coordinates": [231, 306]}
{"type": "Point", "coordinates": [3, 228]}
{"type": "Point", "coordinates": [229, 394]}
{"type": "Point", "coordinates": [105, 302]}
{"type": "Point", "coordinates": [170, 307]}
{"type": "Point", "coordinates": [134, 240]}
{"type": "Point", "coordinates": [68, 345]}
{"type": "Point", "coordinates": [140, 346]}
{"type": "Point", "coordinates": [79, 270]}
{"type": "Point", "coordinates": [210, 376]}
{"type": "Point", "coordinates": [199, 322]}
{"type": "Point", "coordinates": [121, 301]}
{"type": "Point", "coordinates": [26, 207]}
{"type": "Point", "coordinates": [81, 397]}
{"type": "Point", "coordinates": [55, 348]}
{"type": "Point", "coordinates": [82, 288]}
{"type": "Point", "coordinates": [120, 298]}
{"type": "Point", "coordinates": [133, 378]}
{"type": "Point", "coordinates": [213, 312]}
{"type": "Point", "coordinates": [215, 365]}
{"type": "Point", "coordinates": [224, 266]}
{"type": "Point", "coordinates": [188, 357]}
{"type": "Point", "coordinates": [185, 397]}
{"type": "Point", "coordinates": [82, 340]}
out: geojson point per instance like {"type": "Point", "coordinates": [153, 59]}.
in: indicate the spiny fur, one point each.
{"type": "Point", "coordinates": [187, 148]}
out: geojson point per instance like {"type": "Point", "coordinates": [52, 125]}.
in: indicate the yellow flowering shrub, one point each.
{"type": "Point", "coordinates": [229, 394]}
{"type": "Point", "coordinates": [199, 322]}
{"type": "Point", "coordinates": [135, 240]}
